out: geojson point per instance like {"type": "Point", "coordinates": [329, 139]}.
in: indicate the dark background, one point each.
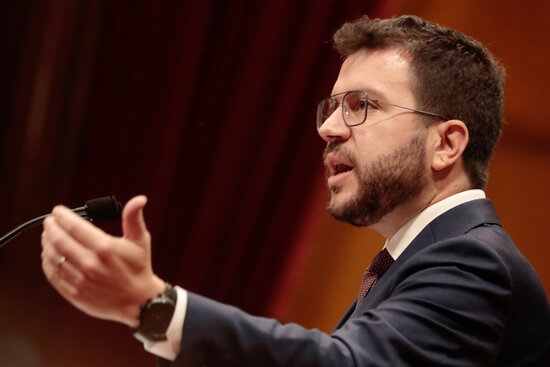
{"type": "Point", "coordinates": [207, 107]}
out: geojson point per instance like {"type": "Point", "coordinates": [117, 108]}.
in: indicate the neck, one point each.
{"type": "Point", "coordinates": [432, 194]}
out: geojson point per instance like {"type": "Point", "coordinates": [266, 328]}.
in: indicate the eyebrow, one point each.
{"type": "Point", "coordinates": [375, 94]}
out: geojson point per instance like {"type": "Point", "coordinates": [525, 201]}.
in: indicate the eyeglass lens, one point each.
{"type": "Point", "coordinates": [354, 108]}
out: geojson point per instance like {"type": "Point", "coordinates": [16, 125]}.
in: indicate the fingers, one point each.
{"type": "Point", "coordinates": [133, 223]}
{"type": "Point", "coordinates": [57, 242]}
{"type": "Point", "coordinates": [88, 247]}
{"type": "Point", "coordinates": [63, 276]}
{"type": "Point", "coordinates": [82, 231]}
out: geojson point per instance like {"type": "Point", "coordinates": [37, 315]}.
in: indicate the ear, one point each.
{"type": "Point", "coordinates": [450, 139]}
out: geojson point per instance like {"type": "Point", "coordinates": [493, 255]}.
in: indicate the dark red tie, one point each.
{"type": "Point", "coordinates": [377, 267]}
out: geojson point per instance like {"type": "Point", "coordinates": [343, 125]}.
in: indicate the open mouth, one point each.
{"type": "Point", "coordinates": [336, 166]}
{"type": "Point", "coordinates": [341, 168]}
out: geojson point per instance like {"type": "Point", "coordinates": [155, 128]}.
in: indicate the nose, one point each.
{"type": "Point", "coordinates": [334, 129]}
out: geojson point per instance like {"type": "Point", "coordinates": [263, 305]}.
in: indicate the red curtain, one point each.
{"type": "Point", "coordinates": [207, 107]}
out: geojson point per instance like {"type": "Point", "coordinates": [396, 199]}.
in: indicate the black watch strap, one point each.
{"type": "Point", "coordinates": [155, 316]}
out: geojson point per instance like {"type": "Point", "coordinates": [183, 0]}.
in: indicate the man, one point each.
{"type": "Point", "coordinates": [410, 129]}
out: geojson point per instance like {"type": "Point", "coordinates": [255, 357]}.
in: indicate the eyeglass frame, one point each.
{"type": "Point", "coordinates": [375, 100]}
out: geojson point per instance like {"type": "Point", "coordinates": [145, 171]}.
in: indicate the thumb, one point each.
{"type": "Point", "coordinates": [133, 223]}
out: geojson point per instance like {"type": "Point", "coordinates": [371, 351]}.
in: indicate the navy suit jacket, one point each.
{"type": "Point", "coordinates": [461, 294]}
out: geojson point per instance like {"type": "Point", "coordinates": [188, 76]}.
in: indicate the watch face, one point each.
{"type": "Point", "coordinates": [156, 317]}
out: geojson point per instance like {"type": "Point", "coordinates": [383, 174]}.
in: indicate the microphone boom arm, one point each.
{"type": "Point", "coordinates": [106, 208]}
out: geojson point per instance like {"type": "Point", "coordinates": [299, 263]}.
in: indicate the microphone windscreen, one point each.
{"type": "Point", "coordinates": [106, 208]}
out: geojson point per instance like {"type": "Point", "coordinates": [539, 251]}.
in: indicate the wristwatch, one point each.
{"type": "Point", "coordinates": [155, 316]}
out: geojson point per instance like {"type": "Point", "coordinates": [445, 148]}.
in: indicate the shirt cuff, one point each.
{"type": "Point", "coordinates": [169, 349]}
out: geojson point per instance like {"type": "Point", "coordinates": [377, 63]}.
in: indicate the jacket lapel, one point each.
{"type": "Point", "coordinates": [454, 222]}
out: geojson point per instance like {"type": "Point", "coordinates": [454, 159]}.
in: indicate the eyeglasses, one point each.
{"type": "Point", "coordinates": [355, 105]}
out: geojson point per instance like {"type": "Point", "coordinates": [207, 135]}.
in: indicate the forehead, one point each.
{"type": "Point", "coordinates": [384, 74]}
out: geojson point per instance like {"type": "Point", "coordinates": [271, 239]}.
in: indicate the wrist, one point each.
{"type": "Point", "coordinates": [155, 316]}
{"type": "Point", "coordinates": [155, 287]}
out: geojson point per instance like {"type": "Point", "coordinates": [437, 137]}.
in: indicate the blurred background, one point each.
{"type": "Point", "coordinates": [207, 107]}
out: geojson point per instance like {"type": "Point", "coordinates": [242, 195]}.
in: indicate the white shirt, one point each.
{"type": "Point", "coordinates": [169, 349]}
{"type": "Point", "coordinates": [404, 236]}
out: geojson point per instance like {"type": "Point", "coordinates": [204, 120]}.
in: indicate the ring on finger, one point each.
{"type": "Point", "coordinates": [61, 261]}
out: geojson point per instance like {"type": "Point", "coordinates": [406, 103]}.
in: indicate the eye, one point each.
{"type": "Point", "coordinates": [358, 103]}
{"type": "Point", "coordinates": [355, 102]}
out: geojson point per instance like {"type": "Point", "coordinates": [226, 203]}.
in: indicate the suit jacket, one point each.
{"type": "Point", "coordinates": [461, 294]}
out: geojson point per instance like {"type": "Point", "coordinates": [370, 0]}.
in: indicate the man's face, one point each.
{"type": "Point", "coordinates": [374, 167]}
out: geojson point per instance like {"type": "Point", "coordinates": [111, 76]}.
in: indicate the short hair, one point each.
{"type": "Point", "coordinates": [455, 75]}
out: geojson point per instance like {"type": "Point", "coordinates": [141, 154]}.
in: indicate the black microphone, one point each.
{"type": "Point", "coordinates": [100, 209]}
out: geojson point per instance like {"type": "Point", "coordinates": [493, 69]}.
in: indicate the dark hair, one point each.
{"type": "Point", "coordinates": [456, 77]}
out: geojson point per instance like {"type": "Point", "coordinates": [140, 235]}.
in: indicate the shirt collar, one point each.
{"type": "Point", "coordinates": [404, 236]}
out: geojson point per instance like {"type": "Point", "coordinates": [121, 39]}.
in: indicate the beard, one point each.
{"type": "Point", "coordinates": [391, 180]}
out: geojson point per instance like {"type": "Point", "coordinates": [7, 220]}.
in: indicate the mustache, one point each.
{"type": "Point", "coordinates": [331, 148]}
{"type": "Point", "coordinates": [341, 151]}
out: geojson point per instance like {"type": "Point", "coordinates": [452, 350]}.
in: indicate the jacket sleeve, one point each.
{"type": "Point", "coordinates": [447, 305]}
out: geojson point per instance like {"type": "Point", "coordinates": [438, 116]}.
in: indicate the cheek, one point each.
{"type": "Point", "coordinates": [367, 150]}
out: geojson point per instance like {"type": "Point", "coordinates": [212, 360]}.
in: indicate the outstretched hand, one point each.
{"type": "Point", "coordinates": [104, 276]}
